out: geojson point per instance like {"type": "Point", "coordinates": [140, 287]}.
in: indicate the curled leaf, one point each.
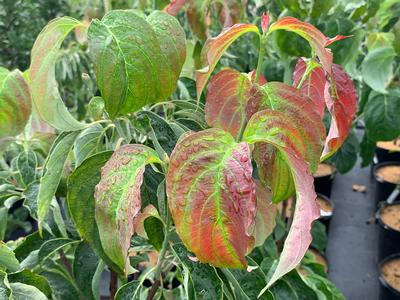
{"type": "Point", "coordinates": [118, 199]}
{"type": "Point", "coordinates": [211, 196]}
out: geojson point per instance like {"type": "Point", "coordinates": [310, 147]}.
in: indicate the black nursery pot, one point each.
{"type": "Point", "coordinates": [323, 180]}
{"type": "Point", "coordinates": [385, 153]}
{"type": "Point", "coordinates": [389, 237]}
{"type": "Point", "coordinates": [327, 208]}
{"type": "Point", "coordinates": [386, 291]}
{"type": "Point", "coordinates": [383, 187]}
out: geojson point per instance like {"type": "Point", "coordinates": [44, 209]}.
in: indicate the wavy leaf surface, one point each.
{"type": "Point", "coordinates": [211, 196]}
{"type": "Point", "coordinates": [137, 60]}
{"type": "Point", "coordinates": [214, 48]}
{"type": "Point", "coordinates": [118, 199]}
{"type": "Point", "coordinates": [273, 127]}
{"type": "Point", "coordinates": [15, 102]}
{"type": "Point", "coordinates": [43, 84]}
{"type": "Point", "coordinates": [341, 100]}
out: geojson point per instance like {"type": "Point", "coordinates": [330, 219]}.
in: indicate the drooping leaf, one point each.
{"type": "Point", "coordinates": [378, 78]}
{"type": "Point", "coordinates": [137, 60]}
{"type": "Point", "coordinates": [381, 116]}
{"type": "Point", "coordinates": [15, 103]}
{"type": "Point", "coordinates": [211, 195]}
{"type": "Point", "coordinates": [205, 281]}
{"type": "Point", "coordinates": [52, 247]}
{"type": "Point", "coordinates": [84, 269]}
{"type": "Point", "coordinates": [88, 142]}
{"type": "Point", "coordinates": [21, 291]}
{"type": "Point", "coordinates": [214, 48]}
{"type": "Point", "coordinates": [265, 220]}
{"type": "Point", "coordinates": [341, 100]}
{"type": "Point", "coordinates": [52, 173]}
{"type": "Point", "coordinates": [30, 278]}
{"type": "Point", "coordinates": [26, 164]}
{"type": "Point", "coordinates": [7, 258]}
{"type": "Point", "coordinates": [273, 127]}
{"type": "Point", "coordinates": [118, 199]}
{"type": "Point", "coordinates": [43, 84]}
{"type": "Point", "coordinates": [315, 37]}
{"type": "Point", "coordinates": [228, 94]}
{"type": "Point", "coordinates": [314, 84]}
{"type": "Point", "coordinates": [81, 202]}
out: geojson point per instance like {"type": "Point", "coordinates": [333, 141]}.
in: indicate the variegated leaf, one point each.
{"type": "Point", "coordinates": [211, 195]}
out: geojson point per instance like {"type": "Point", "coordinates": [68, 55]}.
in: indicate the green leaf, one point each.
{"type": "Point", "coordinates": [43, 84]}
{"type": "Point", "coordinates": [5, 290]}
{"type": "Point", "coordinates": [84, 269]}
{"type": "Point", "coordinates": [378, 78]}
{"type": "Point", "coordinates": [7, 258]}
{"type": "Point", "coordinates": [53, 169]}
{"type": "Point", "coordinates": [320, 237]}
{"type": "Point", "coordinates": [81, 202]}
{"type": "Point", "coordinates": [30, 278]}
{"type": "Point", "coordinates": [381, 116]}
{"type": "Point", "coordinates": [367, 150]}
{"type": "Point", "coordinates": [137, 60]}
{"type": "Point", "coordinates": [30, 243]}
{"type": "Point", "coordinates": [206, 283]}
{"type": "Point", "coordinates": [118, 199]}
{"type": "Point", "coordinates": [26, 164]}
{"type": "Point", "coordinates": [88, 142]}
{"type": "Point", "coordinates": [155, 232]}
{"type": "Point", "coordinates": [96, 108]}
{"type": "Point", "coordinates": [15, 103]}
{"type": "Point", "coordinates": [21, 291]}
{"type": "Point", "coordinates": [52, 247]}
{"type": "Point", "coordinates": [129, 291]}
{"type": "Point", "coordinates": [3, 221]}
{"type": "Point", "coordinates": [346, 157]}
{"type": "Point", "coordinates": [61, 285]}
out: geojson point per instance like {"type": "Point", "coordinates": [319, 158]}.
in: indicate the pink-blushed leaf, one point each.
{"type": "Point", "coordinates": [315, 37]}
{"type": "Point", "coordinates": [15, 103]}
{"type": "Point", "coordinates": [214, 48]}
{"type": "Point", "coordinates": [174, 7]}
{"type": "Point", "coordinates": [314, 84]}
{"type": "Point", "coordinates": [274, 127]}
{"type": "Point", "coordinates": [138, 222]}
{"type": "Point", "coordinates": [43, 84]}
{"type": "Point", "coordinates": [118, 199]}
{"type": "Point", "coordinates": [211, 195]}
{"type": "Point", "coordinates": [341, 100]}
{"type": "Point", "coordinates": [266, 215]}
{"type": "Point", "coordinates": [336, 38]}
{"type": "Point", "coordinates": [264, 22]}
{"type": "Point", "coordinates": [226, 100]}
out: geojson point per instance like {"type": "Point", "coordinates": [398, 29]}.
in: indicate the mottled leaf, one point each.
{"type": "Point", "coordinates": [118, 199]}
{"type": "Point", "coordinates": [43, 84]}
{"type": "Point", "coordinates": [30, 278]}
{"type": "Point", "coordinates": [15, 103]}
{"type": "Point", "coordinates": [21, 291]}
{"type": "Point", "coordinates": [341, 100]}
{"type": "Point", "coordinates": [273, 127]}
{"type": "Point", "coordinates": [211, 195]}
{"type": "Point", "coordinates": [26, 164]}
{"type": "Point", "coordinates": [7, 258]}
{"type": "Point", "coordinates": [81, 202]}
{"type": "Point", "coordinates": [88, 142]}
{"type": "Point", "coordinates": [214, 48]}
{"type": "Point", "coordinates": [314, 84]}
{"type": "Point", "coordinates": [52, 173]}
{"type": "Point", "coordinates": [137, 60]}
{"type": "Point", "coordinates": [315, 37]}
{"type": "Point", "coordinates": [5, 290]}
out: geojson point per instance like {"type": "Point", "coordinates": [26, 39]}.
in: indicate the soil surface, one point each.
{"type": "Point", "coordinates": [391, 273]}
{"type": "Point", "coordinates": [390, 146]}
{"type": "Point", "coordinates": [324, 170]}
{"type": "Point", "coordinates": [390, 215]}
{"type": "Point", "coordinates": [389, 174]}
{"type": "Point", "coordinates": [325, 207]}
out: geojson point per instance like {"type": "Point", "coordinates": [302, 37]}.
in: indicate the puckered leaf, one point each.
{"type": "Point", "coordinates": [137, 60]}
{"type": "Point", "coordinates": [211, 196]}
{"type": "Point", "coordinates": [341, 100]}
{"type": "Point", "coordinates": [81, 202]}
{"type": "Point", "coordinates": [118, 199]}
{"type": "Point", "coordinates": [226, 100]}
{"type": "Point", "coordinates": [214, 48]}
{"type": "Point", "coordinates": [15, 102]}
{"type": "Point", "coordinates": [314, 84]}
{"type": "Point", "coordinates": [315, 37]}
{"type": "Point", "coordinates": [43, 84]}
{"type": "Point", "coordinates": [275, 128]}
